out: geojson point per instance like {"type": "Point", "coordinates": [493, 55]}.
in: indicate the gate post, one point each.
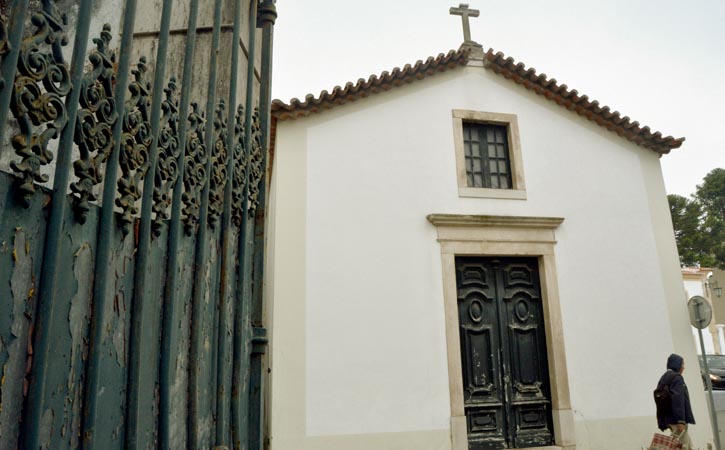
{"type": "Point", "coordinates": [242, 313]}
{"type": "Point", "coordinates": [266, 17]}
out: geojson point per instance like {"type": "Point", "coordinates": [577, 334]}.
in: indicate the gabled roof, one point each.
{"type": "Point", "coordinates": [374, 84]}
{"type": "Point", "coordinates": [498, 63]}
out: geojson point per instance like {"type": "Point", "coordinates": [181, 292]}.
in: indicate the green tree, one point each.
{"type": "Point", "coordinates": [687, 220]}
{"type": "Point", "coordinates": [711, 195]}
{"type": "Point", "coordinates": [699, 222]}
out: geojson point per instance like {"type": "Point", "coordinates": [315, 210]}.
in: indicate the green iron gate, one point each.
{"type": "Point", "coordinates": [132, 230]}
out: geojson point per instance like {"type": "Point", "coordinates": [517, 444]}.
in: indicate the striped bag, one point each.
{"type": "Point", "coordinates": [664, 442]}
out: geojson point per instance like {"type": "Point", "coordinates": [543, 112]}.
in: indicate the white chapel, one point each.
{"type": "Point", "coordinates": [464, 253]}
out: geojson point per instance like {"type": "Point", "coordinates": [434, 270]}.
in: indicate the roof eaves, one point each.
{"type": "Point", "coordinates": [497, 62]}
{"type": "Point", "coordinates": [580, 104]}
{"type": "Point", "coordinates": [373, 85]}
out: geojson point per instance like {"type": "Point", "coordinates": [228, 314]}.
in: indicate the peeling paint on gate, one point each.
{"type": "Point", "coordinates": [46, 429]}
{"type": "Point", "coordinates": [179, 390]}
{"type": "Point", "coordinates": [21, 283]}
{"type": "Point", "coordinates": [73, 286]}
{"type": "Point", "coordinates": [78, 320]}
{"type": "Point", "coordinates": [13, 381]}
{"type": "Point", "coordinates": [118, 328]}
{"type": "Point", "coordinates": [123, 258]}
{"type": "Point", "coordinates": [207, 357]}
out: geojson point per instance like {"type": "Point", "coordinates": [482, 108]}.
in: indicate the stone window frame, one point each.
{"type": "Point", "coordinates": [518, 190]}
{"type": "Point", "coordinates": [473, 235]}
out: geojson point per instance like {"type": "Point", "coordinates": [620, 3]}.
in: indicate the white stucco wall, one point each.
{"type": "Point", "coordinates": [358, 334]}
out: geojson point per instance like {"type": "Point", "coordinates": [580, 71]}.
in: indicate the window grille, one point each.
{"type": "Point", "coordinates": [486, 149]}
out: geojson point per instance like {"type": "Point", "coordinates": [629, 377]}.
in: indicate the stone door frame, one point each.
{"type": "Point", "coordinates": [474, 235]}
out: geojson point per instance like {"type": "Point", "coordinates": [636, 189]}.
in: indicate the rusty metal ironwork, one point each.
{"type": "Point", "coordinates": [41, 84]}
{"type": "Point", "coordinates": [240, 167]}
{"type": "Point", "coordinates": [135, 142]}
{"type": "Point", "coordinates": [4, 45]}
{"type": "Point", "coordinates": [255, 164]}
{"type": "Point", "coordinates": [201, 388]}
{"type": "Point", "coordinates": [15, 26]}
{"type": "Point", "coordinates": [94, 125]}
{"type": "Point", "coordinates": [131, 318]}
{"type": "Point", "coordinates": [172, 393]}
{"type": "Point", "coordinates": [218, 164]}
{"type": "Point", "coordinates": [195, 172]}
{"type": "Point", "coordinates": [168, 158]}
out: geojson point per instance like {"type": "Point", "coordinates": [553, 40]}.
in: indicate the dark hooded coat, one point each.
{"type": "Point", "coordinates": [681, 411]}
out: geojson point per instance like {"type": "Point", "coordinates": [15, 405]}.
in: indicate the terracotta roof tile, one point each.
{"type": "Point", "coordinates": [497, 62]}
{"type": "Point", "coordinates": [581, 104]}
{"type": "Point", "coordinates": [374, 84]}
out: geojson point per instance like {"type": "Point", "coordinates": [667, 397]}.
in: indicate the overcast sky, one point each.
{"type": "Point", "coordinates": [661, 62]}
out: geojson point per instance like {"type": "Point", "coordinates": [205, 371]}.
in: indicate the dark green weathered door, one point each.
{"type": "Point", "coordinates": [503, 353]}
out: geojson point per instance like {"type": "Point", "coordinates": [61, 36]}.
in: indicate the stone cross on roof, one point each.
{"type": "Point", "coordinates": [465, 13]}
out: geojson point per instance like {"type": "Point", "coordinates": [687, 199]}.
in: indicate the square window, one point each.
{"type": "Point", "coordinates": [488, 155]}
{"type": "Point", "coordinates": [494, 171]}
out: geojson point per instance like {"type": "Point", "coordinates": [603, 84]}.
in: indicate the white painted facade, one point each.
{"type": "Point", "coordinates": [354, 276]}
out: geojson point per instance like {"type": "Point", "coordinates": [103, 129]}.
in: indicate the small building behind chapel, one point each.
{"type": "Point", "coordinates": [701, 281]}
{"type": "Point", "coordinates": [466, 254]}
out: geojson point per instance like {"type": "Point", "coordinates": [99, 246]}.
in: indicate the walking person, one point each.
{"type": "Point", "coordinates": [680, 412]}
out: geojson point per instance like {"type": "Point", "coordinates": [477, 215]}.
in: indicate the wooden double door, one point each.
{"type": "Point", "coordinates": [506, 389]}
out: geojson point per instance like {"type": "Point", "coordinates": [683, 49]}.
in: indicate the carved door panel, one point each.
{"type": "Point", "coordinates": [503, 353]}
{"type": "Point", "coordinates": [483, 390]}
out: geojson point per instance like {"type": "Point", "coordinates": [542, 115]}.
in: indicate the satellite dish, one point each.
{"type": "Point", "coordinates": [700, 311]}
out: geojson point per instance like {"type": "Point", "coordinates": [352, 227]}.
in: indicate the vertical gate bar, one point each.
{"type": "Point", "coordinates": [46, 300]}
{"type": "Point", "coordinates": [169, 331]}
{"type": "Point", "coordinates": [242, 337]}
{"type": "Point", "coordinates": [201, 247]}
{"type": "Point", "coordinates": [105, 232]}
{"type": "Point", "coordinates": [240, 365]}
{"type": "Point", "coordinates": [256, 422]}
{"type": "Point", "coordinates": [140, 319]}
{"type": "Point", "coordinates": [267, 16]}
{"type": "Point", "coordinates": [10, 61]}
{"type": "Point", "coordinates": [223, 389]}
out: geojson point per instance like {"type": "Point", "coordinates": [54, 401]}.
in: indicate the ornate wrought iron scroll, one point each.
{"type": "Point", "coordinates": [4, 45]}
{"type": "Point", "coordinates": [94, 125]}
{"type": "Point", "coordinates": [240, 168]}
{"type": "Point", "coordinates": [255, 163]}
{"type": "Point", "coordinates": [218, 165]}
{"type": "Point", "coordinates": [194, 169]}
{"type": "Point", "coordinates": [167, 164]}
{"type": "Point", "coordinates": [135, 142]}
{"type": "Point", "coordinates": [41, 82]}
